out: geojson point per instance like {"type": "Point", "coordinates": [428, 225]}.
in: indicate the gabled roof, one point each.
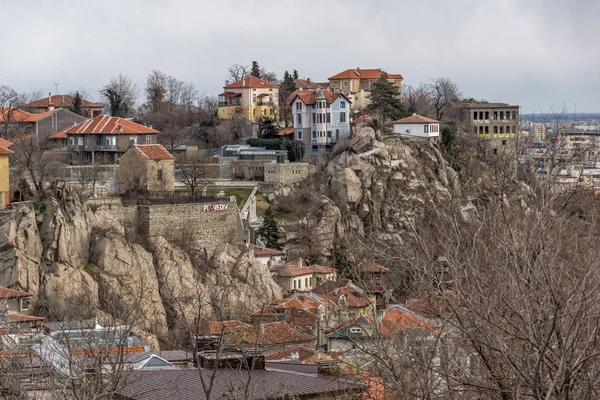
{"type": "Point", "coordinates": [4, 145]}
{"type": "Point", "coordinates": [265, 251]}
{"type": "Point", "coordinates": [398, 319]}
{"type": "Point", "coordinates": [156, 152]}
{"type": "Point", "coordinates": [310, 96]}
{"type": "Point", "coordinates": [308, 84]}
{"type": "Point", "coordinates": [285, 131]}
{"type": "Point", "coordinates": [271, 333]}
{"type": "Point", "coordinates": [416, 119]}
{"type": "Point", "coordinates": [60, 100]}
{"type": "Point", "coordinates": [14, 115]}
{"type": "Point", "coordinates": [359, 73]}
{"type": "Point", "coordinates": [62, 134]}
{"type": "Point", "coordinates": [251, 82]}
{"type": "Point", "coordinates": [6, 293]}
{"type": "Point", "coordinates": [107, 125]}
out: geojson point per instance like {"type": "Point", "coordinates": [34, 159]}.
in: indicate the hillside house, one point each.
{"type": "Point", "coordinates": [356, 84]}
{"type": "Point", "coordinates": [14, 312]}
{"type": "Point", "coordinates": [147, 167]}
{"type": "Point", "coordinates": [62, 101]}
{"type": "Point", "coordinates": [320, 119]}
{"type": "Point", "coordinates": [5, 172]}
{"type": "Point", "coordinates": [298, 276]}
{"type": "Point", "coordinates": [16, 122]}
{"type": "Point", "coordinates": [104, 138]}
{"type": "Point", "coordinates": [417, 127]}
{"type": "Point", "coordinates": [250, 97]}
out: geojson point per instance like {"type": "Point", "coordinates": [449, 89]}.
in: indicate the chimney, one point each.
{"type": "Point", "coordinates": [50, 106]}
{"type": "Point", "coordinates": [308, 80]}
{"type": "Point", "coordinates": [358, 68]}
{"type": "Point", "coordinates": [227, 82]}
{"type": "Point", "coordinates": [299, 262]}
{"type": "Point", "coordinates": [244, 82]}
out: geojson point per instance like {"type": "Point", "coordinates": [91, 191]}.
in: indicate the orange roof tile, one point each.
{"type": "Point", "coordinates": [398, 320]}
{"type": "Point", "coordinates": [272, 333]}
{"type": "Point", "coordinates": [6, 293]}
{"type": "Point", "coordinates": [62, 134]}
{"type": "Point", "coordinates": [307, 84]}
{"type": "Point", "coordinates": [416, 119]}
{"type": "Point", "coordinates": [253, 83]}
{"type": "Point", "coordinates": [265, 251]}
{"type": "Point", "coordinates": [105, 124]}
{"type": "Point", "coordinates": [363, 74]}
{"type": "Point", "coordinates": [14, 115]}
{"type": "Point", "coordinates": [310, 96]}
{"type": "Point", "coordinates": [285, 132]}
{"type": "Point", "coordinates": [60, 100]}
{"type": "Point", "coordinates": [24, 318]}
{"type": "Point", "coordinates": [154, 152]}
{"type": "Point", "coordinates": [303, 353]}
{"type": "Point", "coordinates": [221, 327]}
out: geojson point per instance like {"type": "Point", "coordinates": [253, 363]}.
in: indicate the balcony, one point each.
{"type": "Point", "coordinates": [230, 103]}
{"type": "Point", "coordinates": [105, 148]}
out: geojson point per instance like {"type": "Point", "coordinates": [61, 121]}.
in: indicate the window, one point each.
{"type": "Point", "coordinates": [475, 130]}
{"type": "Point", "coordinates": [24, 304]}
{"type": "Point", "coordinates": [342, 104]}
{"type": "Point", "coordinates": [272, 113]}
{"type": "Point", "coordinates": [487, 115]}
{"type": "Point", "coordinates": [98, 141]}
{"type": "Point", "coordinates": [508, 115]}
{"type": "Point", "coordinates": [343, 117]}
{"type": "Point", "coordinates": [160, 175]}
{"type": "Point", "coordinates": [299, 135]}
{"type": "Point", "coordinates": [504, 143]}
{"type": "Point", "coordinates": [299, 119]}
{"type": "Point", "coordinates": [80, 141]}
{"type": "Point", "coordinates": [501, 114]}
{"type": "Point", "coordinates": [298, 106]}
{"type": "Point", "coordinates": [294, 284]}
{"type": "Point", "coordinates": [133, 139]}
{"type": "Point", "coordinates": [495, 151]}
{"type": "Point", "coordinates": [310, 281]}
{"type": "Point", "coordinates": [514, 115]}
{"type": "Point", "coordinates": [514, 129]}
{"type": "Point", "coordinates": [426, 128]}
{"type": "Point", "coordinates": [495, 129]}
{"type": "Point", "coordinates": [254, 98]}
{"type": "Point", "coordinates": [345, 83]}
{"type": "Point", "coordinates": [328, 118]}
{"type": "Point", "coordinates": [306, 282]}
{"type": "Point", "coordinates": [314, 118]}
{"type": "Point", "coordinates": [475, 114]}
{"type": "Point", "coordinates": [480, 114]}
{"type": "Point", "coordinates": [314, 134]}
{"type": "Point", "coordinates": [299, 283]}
{"type": "Point", "coordinates": [501, 129]}
{"type": "Point", "coordinates": [356, 330]}
{"type": "Point", "coordinates": [487, 130]}
{"type": "Point", "coordinates": [495, 114]}
{"type": "Point", "coordinates": [329, 134]}
{"type": "Point", "coordinates": [481, 130]}
{"type": "Point", "coordinates": [148, 139]}
{"type": "Point", "coordinates": [72, 141]}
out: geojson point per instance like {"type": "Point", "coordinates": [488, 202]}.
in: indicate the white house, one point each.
{"type": "Point", "coordinates": [418, 127]}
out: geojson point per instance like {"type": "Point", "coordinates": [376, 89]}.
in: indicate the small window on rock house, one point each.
{"type": "Point", "coordinates": [160, 174]}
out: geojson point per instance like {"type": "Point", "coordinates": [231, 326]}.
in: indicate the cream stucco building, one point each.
{"type": "Point", "coordinates": [356, 84]}
{"type": "Point", "coordinates": [250, 97]}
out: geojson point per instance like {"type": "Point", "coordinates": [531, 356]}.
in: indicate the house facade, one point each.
{"type": "Point", "coordinates": [356, 84]}
{"type": "Point", "coordinates": [106, 138]}
{"type": "Point", "coordinates": [417, 127]}
{"type": "Point", "coordinates": [251, 98]}
{"type": "Point", "coordinates": [4, 173]}
{"type": "Point", "coordinates": [496, 123]}
{"type": "Point", "coordinates": [14, 312]}
{"type": "Point", "coordinates": [18, 122]}
{"type": "Point", "coordinates": [321, 118]}
{"type": "Point", "coordinates": [64, 101]}
{"type": "Point", "coordinates": [147, 167]}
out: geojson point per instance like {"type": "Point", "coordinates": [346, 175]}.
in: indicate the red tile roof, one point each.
{"type": "Point", "coordinates": [374, 268]}
{"type": "Point", "coordinates": [24, 318]}
{"type": "Point", "coordinates": [6, 293]}
{"type": "Point", "coordinates": [265, 251]}
{"type": "Point", "coordinates": [14, 115]}
{"type": "Point", "coordinates": [416, 119]}
{"type": "Point", "coordinates": [60, 100]}
{"type": "Point", "coordinates": [402, 320]}
{"type": "Point", "coordinates": [363, 74]}
{"type": "Point", "coordinates": [105, 124]}
{"type": "Point", "coordinates": [253, 83]}
{"type": "Point", "coordinates": [219, 327]}
{"type": "Point", "coordinates": [310, 96]}
{"type": "Point", "coordinates": [4, 145]}
{"type": "Point", "coordinates": [62, 134]}
{"type": "Point", "coordinates": [230, 94]}
{"type": "Point", "coordinates": [272, 333]}
{"type": "Point", "coordinates": [154, 152]}
{"type": "Point", "coordinates": [307, 84]}
{"type": "Point", "coordinates": [297, 271]}
{"type": "Point", "coordinates": [303, 354]}
{"type": "Point", "coordinates": [285, 132]}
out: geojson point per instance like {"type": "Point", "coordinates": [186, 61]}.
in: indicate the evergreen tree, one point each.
{"type": "Point", "coordinates": [295, 75]}
{"type": "Point", "coordinates": [267, 129]}
{"type": "Point", "coordinates": [255, 71]}
{"type": "Point", "coordinates": [269, 230]}
{"type": "Point", "coordinates": [385, 101]}
{"type": "Point", "coordinates": [287, 84]}
{"type": "Point", "coordinates": [77, 107]}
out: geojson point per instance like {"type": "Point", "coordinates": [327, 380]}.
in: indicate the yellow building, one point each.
{"type": "Point", "coordinates": [356, 84]}
{"type": "Point", "coordinates": [251, 98]}
{"type": "Point", "coordinates": [4, 173]}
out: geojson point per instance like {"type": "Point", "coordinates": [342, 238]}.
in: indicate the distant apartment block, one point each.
{"type": "Point", "coordinates": [321, 118]}
{"type": "Point", "coordinates": [498, 123]}
{"type": "Point", "coordinates": [356, 84]}
{"type": "Point", "coordinates": [538, 131]}
{"type": "Point", "coordinates": [250, 97]}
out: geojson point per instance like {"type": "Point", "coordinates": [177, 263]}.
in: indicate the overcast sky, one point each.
{"type": "Point", "coordinates": [539, 54]}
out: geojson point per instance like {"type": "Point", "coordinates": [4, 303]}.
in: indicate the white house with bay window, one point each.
{"type": "Point", "coordinates": [417, 127]}
{"type": "Point", "coordinates": [321, 119]}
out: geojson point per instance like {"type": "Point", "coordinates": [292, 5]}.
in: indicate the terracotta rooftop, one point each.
{"type": "Point", "coordinates": [14, 115]}
{"type": "Point", "coordinates": [374, 268]}
{"type": "Point", "coordinates": [285, 132]}
{"type": "Point", "coordinates": [310, 96]}
{"type": "Point", "coordinates": [271, 333]}
{"type": "Point", "coordinates": [308, 84]}
{"type": "Point", "coordinates": [219, 327]}
{"type": "Point", "coordinates": [265, 251]}
{"type": "Point", "coordinates": [400, 320]}
{"type": "Point", "coordinates": [105, 124]}
{"type": "Point", "coordinates": [154, 152]}
{"type": "Point", "coordinates": [6, 293]}
{"type": "Point", "coordinates": [60, 100]}
{"type": "Point", "coordinates": [302, 352]}
{"type": "Point", "coordinates": [62, 134]}
{"type": "Point", "coordinates": [23, 318]}
{"type": "Point", "coordinates": [230, 94]}
{"type": "Point", "coordinates": [4, 145]}
{"type": "Point", "coordinates": [357, 73]}
{"type": "Point", "coordinates": [416, 119]}
{"type": "Point", "coordinates": [253, 83]}
{"type": "Point", "coordinates": [297, 271]}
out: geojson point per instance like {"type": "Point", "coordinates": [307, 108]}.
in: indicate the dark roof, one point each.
{"type": "Point", "coordinates": [184, 384]}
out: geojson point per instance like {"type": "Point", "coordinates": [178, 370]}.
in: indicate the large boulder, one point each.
{"type": "Point", "coordinates": [20, 251]}
{"type": "Point", "coordinates": [127, 283]}
{"type": "Point", "coordinates": [362, 140]}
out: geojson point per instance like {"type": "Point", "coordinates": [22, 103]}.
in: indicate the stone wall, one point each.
{"type": "Point", "coordinates": [200, 225]}
{"type": "Point", "coordinates": [287, 173]}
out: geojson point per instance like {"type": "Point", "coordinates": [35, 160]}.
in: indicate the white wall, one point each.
{"type": "Point", "coordinates": [416, 130]}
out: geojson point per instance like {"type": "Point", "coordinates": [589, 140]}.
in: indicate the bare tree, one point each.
{"type": "Point", "coordinates": [442, 93]}
{"type": "Point", "coordinates": [194, 174]}
{"type": "Point", "coordinates": [156, 90]}
{"type": "Point", "coordinates": [8, 101]}
{"type": "Point", "coordinates": [237, 72]}
{"type": "Point", "coordinates": [121, 94]}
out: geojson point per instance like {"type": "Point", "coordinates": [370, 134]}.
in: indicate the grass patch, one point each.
{"type": "Point", "coordinates": [241, 195]}
{"type": "Point", "coordinates": [92, 269]}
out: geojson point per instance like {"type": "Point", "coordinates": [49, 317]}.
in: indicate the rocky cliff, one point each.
{"type": "Point", "coordinates": [78, 263]}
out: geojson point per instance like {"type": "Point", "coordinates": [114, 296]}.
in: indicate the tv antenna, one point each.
{"type": "Point", "coordinates": [56, 87]}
